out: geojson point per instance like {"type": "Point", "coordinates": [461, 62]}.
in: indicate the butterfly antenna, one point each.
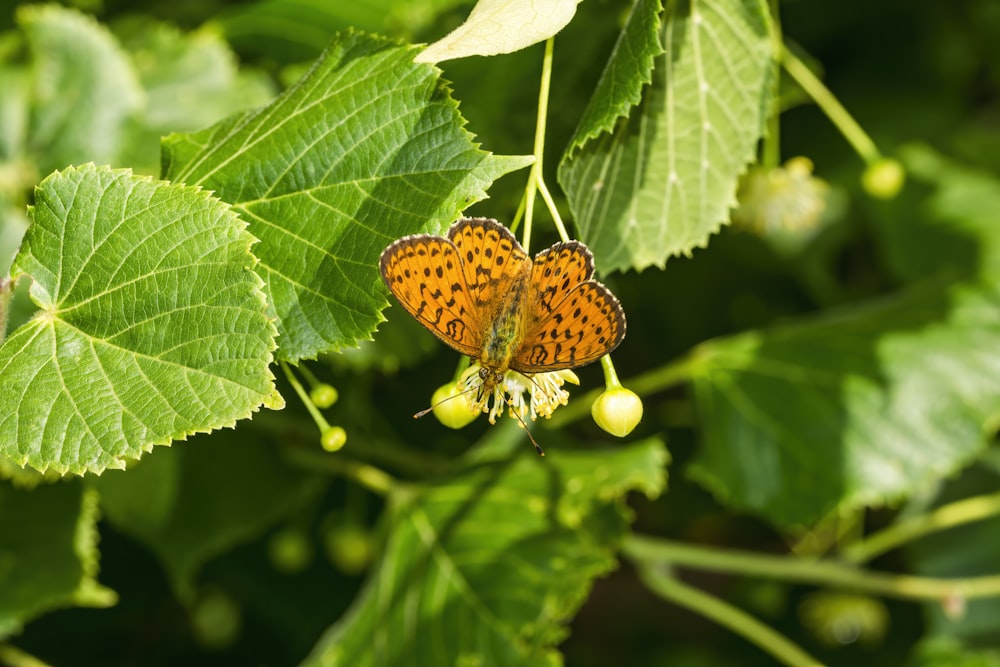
{"type": "Point", "coordinates": [425, 411]}
{"type": "Point", "coordinates": [538, 448]}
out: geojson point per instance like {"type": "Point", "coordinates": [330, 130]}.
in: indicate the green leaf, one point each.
{"type": "Point", "coordinates": [367, 147]}
{"type": "Point", "coordinates": [485, 568]}
{"type": "Point", "coordinates": [85, 89]}
{"type": "Point", "coordinates": [501, 26]}
{"type": "Point", "coordinates": [664, 180]}
{"type": "Point", "coordinates": [291, 31]}
{"type": "Point", "coordinates": [629, 70]}
{"type": "Point", "coordinates": [191, 504]}
{"type": "Point", "coordinates": [191, 80]}
{"type": "Point", "coordinates": [953, 230]}
{"type": "Point", "coordinates": [856, 408]}
{"type": "Point", "coordinates": [48, 552]}
{"type": "Point", "coordinates": [14, 105]}
{"type": "Point", "coordinates": [151, 324]}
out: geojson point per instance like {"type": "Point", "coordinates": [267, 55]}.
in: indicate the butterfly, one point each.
{"type": "Point", "coordinates": [479, 292]}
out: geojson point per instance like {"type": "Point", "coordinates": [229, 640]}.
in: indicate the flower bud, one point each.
{"type": "Point", "coordinates": [618, 410]}
{"type": "Point", "coordinates": [216, 619]}
{"type": "Point", "coordinates": [450, 408]}
{"type": "Point", "coordinates": [333, 438]}
{"type": "Point", "coordinates": [883, 178]}
{"type": "Point", "coordinates": [350, 546]}
{"type": "Point", "coordinates": [290, 550]}
{"type": "Point", "coordinates": [323, 395]}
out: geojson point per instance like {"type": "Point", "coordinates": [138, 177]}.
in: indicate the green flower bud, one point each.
{"type": "Point", "coordinates": [290, 551]}
{"type": "Point", "coordinates": [333, 438]}
{"type": "Point", "coordinates": [838, 619]}
{"type": "Point", "coordinates": [323, 395]}
{"type": "Point", "coordinates": [450, 408]}
{"type": "Point", "coordinates": [216, 619]}
{"type": "Point", "coordinates": [618, 410]}
{"type": "Point", "coordinates": [349, 546]}
{"type": "Point", "coordinates": [883, 178]}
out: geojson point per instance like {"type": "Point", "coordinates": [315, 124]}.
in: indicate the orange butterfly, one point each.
{"type": "Point", "coordinates": [479, 292]}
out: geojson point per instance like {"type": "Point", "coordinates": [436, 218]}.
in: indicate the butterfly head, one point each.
{"type": "Point", "coordinates": [489, 380]}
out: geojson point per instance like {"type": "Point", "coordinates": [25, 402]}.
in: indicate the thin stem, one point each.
{"type": "Point", "coordinates": [304, 397]}
{"type": "Point", "coordinates": [661, 378]}
{"type": "Point", "coordinates": [726, 615]}
{"type": "Point", "coordinates": [907, 530]}
{"type": "Point", "coordinates": [830, 573]}
{"type": "Point", "coordinates": [610, 374]}
{"type": "Point", "coordinates": [550, 203]}
{"type": "Point", "coordinates": [366, 475]}
{"type": "Point", "coordinates": [771, 151]}
{"type": "Point", "coordinates": [830, 105]}
{"type": "Point", "coordinates": [310, 377]}
{"type": "Point", "coordinates": [535, 176]}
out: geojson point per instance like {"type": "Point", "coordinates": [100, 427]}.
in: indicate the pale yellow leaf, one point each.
{"type": "Point", "coordinates": [501, 26]}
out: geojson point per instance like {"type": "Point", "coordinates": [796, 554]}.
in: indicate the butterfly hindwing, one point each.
{"type": "Point", "coordinates": [425, 274]}
{"type": "Point", "coordinates": [584, 326]}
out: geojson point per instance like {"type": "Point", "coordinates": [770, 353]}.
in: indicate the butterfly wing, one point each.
{"type": "Point", "coordinates": [426, 276]}
{"type": "Point", "coordinates": [492, 259]}
{"type": "Point", "coordinates": [572, 320]}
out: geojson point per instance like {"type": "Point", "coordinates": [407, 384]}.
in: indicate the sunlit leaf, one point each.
{"type": "Point", "coordinates": [151, 323]}
{"type": "Point", "coordinates": [663, 181]}
{"type": "Point", "coordinates": [84, 88]}
{"type": "Point", "coordinates": [486, 567]}
{"type": "Point", "coordinates": [366, 148]}
{"type": "Point", "coordinates": [501, 26]}
{"type": "Point", "coordinates": [190, 80]}
{"type": "Point", "coordinates": [628, 72]}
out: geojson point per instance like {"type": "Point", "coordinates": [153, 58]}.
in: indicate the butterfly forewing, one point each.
{"type": "Point", "coordinates": [554, 273]}
{"type": "Point", "coordinates": [492, 260]}
{"type": "Point", "coordinates": [425, 274]}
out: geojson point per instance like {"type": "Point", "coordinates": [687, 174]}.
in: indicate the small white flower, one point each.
{"type": "Point", "coordinates": [784, 198]}
{"type": "Point", "coordinates": [545, 392]}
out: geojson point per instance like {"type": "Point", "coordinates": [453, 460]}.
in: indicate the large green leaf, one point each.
{"type": "Point", "coordinates": [857, 407]}
{"type": "Point", "coordinates": [190, 80]}
{"type": "Point", "coordinates": [48, 552]}
{"type": "Point", "coordinates": [629, 70]}
{"type": "Point", "coordinates": [486, 567]}
{"type": "Point", "coordinates": [151, 323]}
{"type": "Point", "coordinates": [367, 147]}
{"type": "Point", "coordinates": [85, 90]}
{"type": "Point", "coordinates": [663, 181]}
{"type": "Point", "coordinates": [190, 504]}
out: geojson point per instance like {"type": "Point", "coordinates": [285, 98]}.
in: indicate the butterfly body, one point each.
{"type": "Point", "coordinates": [479, 292]}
